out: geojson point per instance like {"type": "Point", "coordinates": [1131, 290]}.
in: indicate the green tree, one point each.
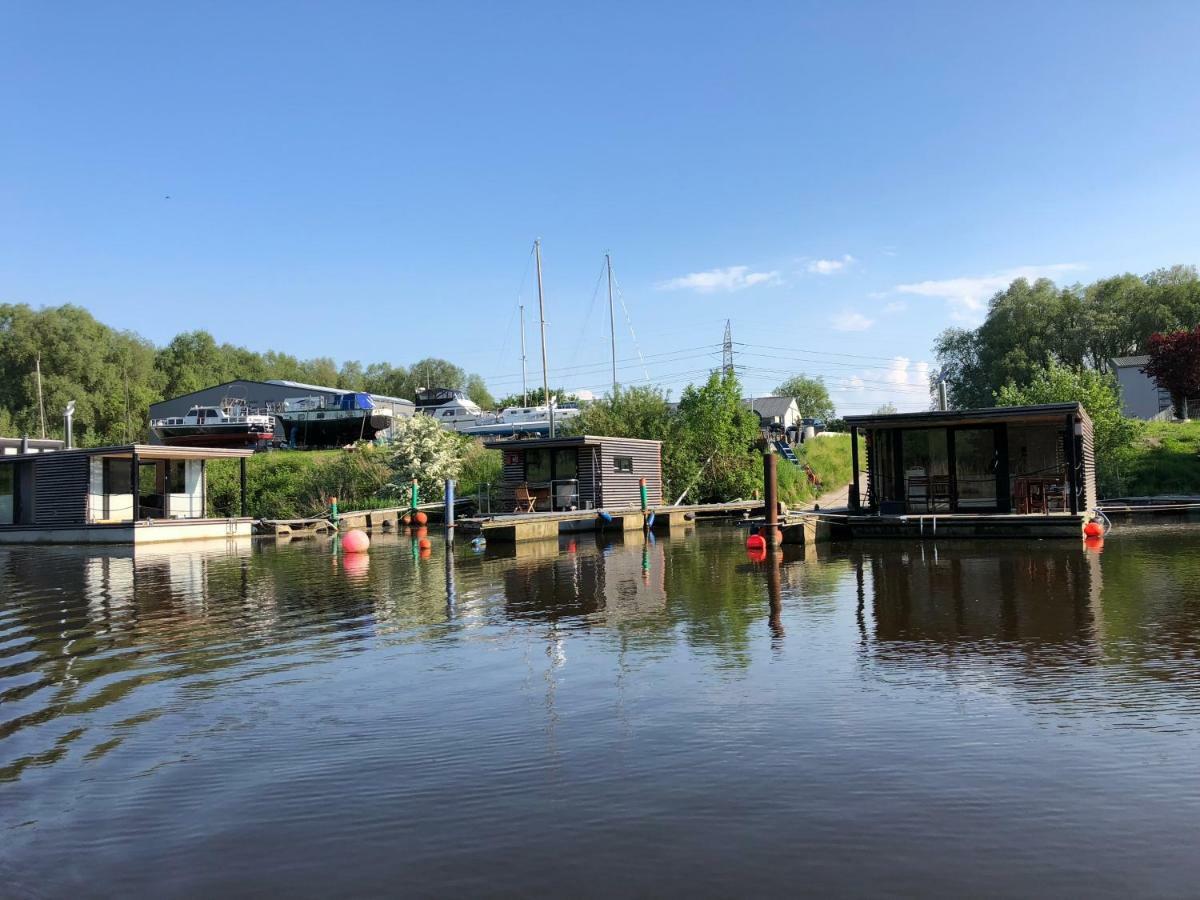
{"type": "Point", "coordinates": [811, 395]}
{"type": "Point", "coordinates": [422, 450]}
{"type": "Point", "coordinates": [717, 431]}
{"type": "Point", "coordinates": [1114, 434]}
{"type": "Point", "coordinates": [477, 390]}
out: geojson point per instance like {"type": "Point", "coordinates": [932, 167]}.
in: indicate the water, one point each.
{"type": "Point", "coordinates": [666, 718]}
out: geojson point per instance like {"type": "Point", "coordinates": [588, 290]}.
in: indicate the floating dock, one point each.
{"type": "Point", "coordinates": [519, 527]}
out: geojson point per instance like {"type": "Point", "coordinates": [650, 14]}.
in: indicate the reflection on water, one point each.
{"type": "Point", "coordinates": [243, 714]}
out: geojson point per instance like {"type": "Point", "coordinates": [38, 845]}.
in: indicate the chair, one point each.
{"type": "Point", "coordinates": [916, 491]}
{"type": "Point", "coordinates": [526, 499]}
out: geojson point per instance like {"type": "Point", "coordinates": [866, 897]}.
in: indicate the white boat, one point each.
{"type": "Point", "coordinates": [231, 423]}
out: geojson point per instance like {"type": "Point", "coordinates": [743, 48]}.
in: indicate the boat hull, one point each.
{"type": "Point", "coordinates": [334, 429]}
{"type": "Point", "coordinates": [235, 436]}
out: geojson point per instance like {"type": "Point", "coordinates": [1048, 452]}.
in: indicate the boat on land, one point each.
{"type": "Point", "coordinates": [231, 423]}
{"type": "Point", "coordinates": [332, 421]}
{"type": "Point", "coordinates": [452, 408]}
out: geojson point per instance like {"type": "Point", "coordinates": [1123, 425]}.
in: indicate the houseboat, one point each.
{"type": "Point", "coordinates": [128, 494]}
{"type": "Point", "coordinates": [231, 423]}
{"type": "Point", "coordinates": [332, 421]}
{"type": "Point", "coordinates": [1026, 471]}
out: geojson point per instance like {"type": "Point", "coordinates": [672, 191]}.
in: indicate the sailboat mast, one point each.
{"type": "Point", "coordinates": [524, 377]}
{"type": "Point", "coordinates": [612, 324]}
{"type": "Point", "coordinates": [537, 252]}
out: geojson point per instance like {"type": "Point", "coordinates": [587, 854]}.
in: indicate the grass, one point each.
{"type": "Point", "coordinates": [1164, 459]}
{"type": "Point", "coordinates": [829, 458]}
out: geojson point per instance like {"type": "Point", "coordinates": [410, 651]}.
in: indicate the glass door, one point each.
{"type": "Point", "coordinates": [976, 463]}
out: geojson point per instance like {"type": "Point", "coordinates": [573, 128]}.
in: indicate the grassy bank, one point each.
{"type": "Point", "coordinates": [291, 484]}
{"type": "Point", "coordinates": [1164, 459]}
{"type": "Point", "coordinates": [829, 458]}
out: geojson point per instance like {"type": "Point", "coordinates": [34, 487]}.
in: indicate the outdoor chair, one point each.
{"type": "Point", "coordinates": [526, 499]}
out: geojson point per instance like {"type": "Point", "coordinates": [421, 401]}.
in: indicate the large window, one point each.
{"type": "Point", "coordinates": [926, 469]}
{"type": "Point", "coordinates": [177, 476]}
{"type": "Point", "coordinates": [116, 476]}
{"type": "Point", "coordinates": [623, 464]}
{"type": "Point", "coordinates": [7, 494]}
{"type": "Point", "coordinates": [564, 464]}
{"type": "Point", "coordinates": [538, 467]}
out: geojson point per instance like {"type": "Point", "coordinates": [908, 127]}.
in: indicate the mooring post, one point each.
{"type": "Point", "coordinates": [333, 513]}
{"type": "Point", "coordinates": [413, 496]}
{"type": "Point", "coordinates": [449, 503]}
{"type": "Point", "coordinates": [771, 496]}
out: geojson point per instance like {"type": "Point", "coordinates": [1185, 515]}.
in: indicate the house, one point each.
{"type": "Point", "coordinates": [268, 397]}
{"type": "Point", "coordinates": [581, 472]}
{"type": "Point", "coordinates": [979, 472]}
{"type": "Point", "coordinates": [1141, 397]}
{"type": "Point", "coordinates": [129, 494]}
{"type": "Point", "coordinates": [777, 413]}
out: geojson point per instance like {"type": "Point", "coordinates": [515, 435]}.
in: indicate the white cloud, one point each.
{"type": "Point", "coordinates": [968, 297]}
{"type": "Point", "coordinates": [733, 278]}
{"type": "Point", "coordinates": [902, 370]}
{"type": "Point", "coordinates": [830, 266]}
{"type": "Point", "coordinates": [849, 320]}
{"type": "Point", "coordinates": [896, 306]}
{"type": "Point", "coordinates": [902, 382]}
{"type": "Point", "coordinates": [854, 384]}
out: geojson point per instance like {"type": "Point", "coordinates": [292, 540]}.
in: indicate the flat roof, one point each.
{"type": "Point", "coordinates": [35, 443]}
{"type": "Point", "coordinates": [1041, 412]}
{"type": "Point", "coordinates": [145, 451]}
{"type": "Point", "coordinates": [579, 440]}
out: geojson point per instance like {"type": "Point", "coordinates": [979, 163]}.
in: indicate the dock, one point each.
{"type": "Point", "coordinates": [519, 527]}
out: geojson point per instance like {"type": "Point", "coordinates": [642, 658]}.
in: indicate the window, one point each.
{"type": "Point", "coordinates": [537, 465]}
{"type": "Point", "coordinates": [176, 476]}
{"type": "Point", "coordinates": [7, 494]}
{"type": "Point", "coordinates": [623, 464]}
{"type": "Point", "coordinates": [564, 464]}
{"type": "Point", "coordinates": [116, 476]}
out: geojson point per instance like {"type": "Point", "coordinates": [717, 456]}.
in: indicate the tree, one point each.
{"type": "Point", "coordinates": [887, 409]}
{"type": "Point", "coordinates": [536, 397]}
{"type": "Point", "coordinates": [477, 390]}
{"type": "Point", "coordinates": [811, 397]}
{"type": "Point", "coordinates": [422, 450]}
{"type": "Point", "coordinates": [1114, 434]}
{"type": "Point", "coordinates": [1175, 365]}
{"type": "Point", "coordinates": [718, 432]}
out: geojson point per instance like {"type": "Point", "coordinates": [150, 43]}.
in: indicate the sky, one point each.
{"type": "Point", "coordinates": [840, 181]}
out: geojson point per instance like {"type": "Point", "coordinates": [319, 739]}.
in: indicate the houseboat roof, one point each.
{"type": "Point", "coordinates": [13, 445]}
{"type": "Point", "coordinates": [148, 451]}
{"type": "Point", "coordinates": [1041, 412]}
{"type": "Point", "coordinates": [579, 440]}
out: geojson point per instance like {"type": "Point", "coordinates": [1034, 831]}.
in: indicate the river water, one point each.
{"type": "Point", "coordinates": [665, 718]}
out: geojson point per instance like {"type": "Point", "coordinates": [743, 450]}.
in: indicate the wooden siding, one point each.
{"type": "Point", "coordinates": [599, 484]}
{"type": "Point", "coordinates": [60, 490]}
{"type": "Point", "coordinates": [622, 489]}
{"type": "Point", "coordinates": [1089, 499]}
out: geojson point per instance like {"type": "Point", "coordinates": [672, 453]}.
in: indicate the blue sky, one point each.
{"type": "Point", "coordinates": [364, 180]}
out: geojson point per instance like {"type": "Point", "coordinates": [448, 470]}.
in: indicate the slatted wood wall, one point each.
{"type": "Point", "coordinates": [60, 490]}
{"type": "Point", "coordinates": [621, 489]}
{"type": "Point", "coordinates": [1088, 441]}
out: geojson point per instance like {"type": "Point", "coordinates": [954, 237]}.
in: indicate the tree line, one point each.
{"type": "Point", "coordinates": [113, 376]}
{"type": "Point", "coordinates": [1031, 327]}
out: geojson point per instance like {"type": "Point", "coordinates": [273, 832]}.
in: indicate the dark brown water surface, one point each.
{"type": "Point", "coordinates": [660, 718]}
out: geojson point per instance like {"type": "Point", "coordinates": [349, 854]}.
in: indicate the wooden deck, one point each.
{"type": "Point", "coordinates": [541, 525]}
{"type": "Point", "coordinates": [962, 525]}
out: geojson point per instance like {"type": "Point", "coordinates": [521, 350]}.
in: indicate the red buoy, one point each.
{"type": "Point", "coordinates": [756, 542]}
{"type": "Point", "coordinates": [420, 518]}
{"type": "Point", "coordinates": [356, 541]}
{"type": "Point", "coordinates": [1093, 529]}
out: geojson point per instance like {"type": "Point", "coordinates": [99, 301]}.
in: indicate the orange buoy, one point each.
{"type": "Point", "coordinates": [420, 532]}
{"type": "Point", "coordinates": [425, 544]}
{"type": "Point", "coordinates": [1093, 529]}
{"type": "Point", "coordinates": [756, 542]}
{"type": "Point", "coordinates": [420, 518]}
{"type": "Point", "coordinates": [356, 541]}
{"type": "Point", "coordinates": [355, 565]}
{"type": "Point", "coordinates": [1094, 543]}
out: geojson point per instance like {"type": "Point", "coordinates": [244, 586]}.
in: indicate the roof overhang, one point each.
{"type": "Point", "coordinates": [144, 451]}
{"type": "Point", "coordinates": [1048, 412]}
{"type": "Point", "coordinates": [579, 440]}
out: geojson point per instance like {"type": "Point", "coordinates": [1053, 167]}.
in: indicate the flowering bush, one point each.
{"type": "Point", "coordinates": [421, 449]}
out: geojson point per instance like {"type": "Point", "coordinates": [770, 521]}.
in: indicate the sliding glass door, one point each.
{"type": "Point", "coordinates": [976, 463]}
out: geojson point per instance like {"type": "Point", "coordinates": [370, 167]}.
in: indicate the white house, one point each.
{"type": "Point", "coordinates": [1141, 398]}
{"type": "Point", "coordinates": [778, 412]}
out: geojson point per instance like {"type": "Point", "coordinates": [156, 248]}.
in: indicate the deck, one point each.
{"type": "Point", "coordinates": [541, 525]}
